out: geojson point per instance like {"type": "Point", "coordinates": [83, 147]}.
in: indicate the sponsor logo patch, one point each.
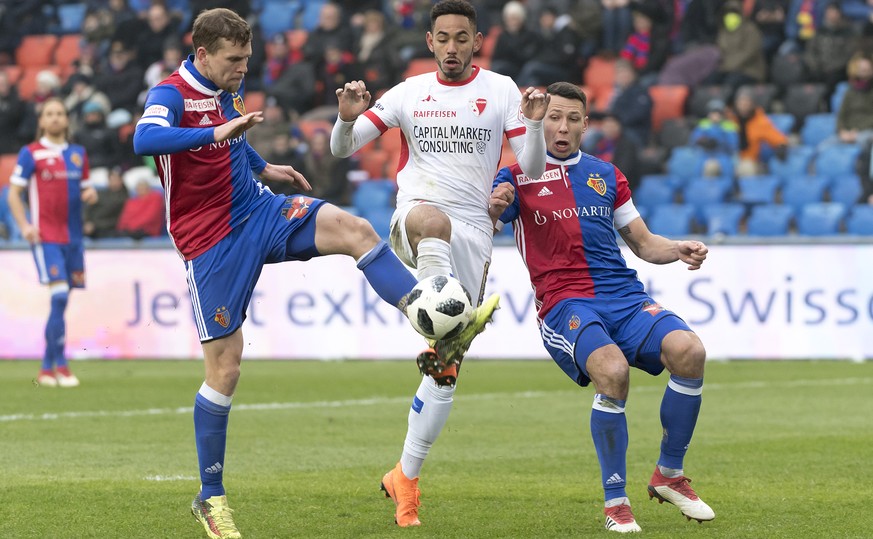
{"type": "Point", "coordinates": [548, 176]}
{"type": "Point", "coordinates": [160, 110]}
{"type": "Point", "coordinates": [76, 158]}
{"type": "Point", "coordinates": [597, 183]}
{"type": "Point", "coordinates": [198, 105]}
{"type": "Point", "coordinates": [478, 106]}
{"type": "Point", "coordinates": [296, 207]}
{"type": "Point", "coordinates": [652, 308]}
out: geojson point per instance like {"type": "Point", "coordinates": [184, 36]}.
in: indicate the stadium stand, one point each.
{"type": "Point", "coordinates": [769, 220]}
{"type": "Point", "coordinates": [723, 218]}
{"type": "Point", "coordinates": [817, 128]}
{"type": "Point", "coordinates": [758, 189]}
{"type": "Point", "coordinates": [36, 51]}
{"type": "Point", "coordinates": [802, 190]}
{"type": "Point", "coordinates": [821, 219]}
{"type": "Point", "coordinates": [860, 220]}
{"type": "Point", "coordinates": [278, 16]}
{"type": "Point", "coordinates": [846, 189]}
{"type": "Point", "coordinates": [668, 102]}
{"type": "Point", "coordinates": [671, 220]}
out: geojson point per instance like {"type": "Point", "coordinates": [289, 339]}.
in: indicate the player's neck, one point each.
{"type": "Point", "coordinates": [57, 140]}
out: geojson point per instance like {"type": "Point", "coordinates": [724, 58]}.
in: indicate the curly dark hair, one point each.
{"type": "Point", "coordinates": [453, 7]}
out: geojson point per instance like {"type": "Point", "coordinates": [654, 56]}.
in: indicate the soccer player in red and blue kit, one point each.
{"type": "Point", "coordinates": [226, 225]}
{"type": "Point", "coordinates": [595, 317]}
{"type": "Point", "coordinates": [55, 173]}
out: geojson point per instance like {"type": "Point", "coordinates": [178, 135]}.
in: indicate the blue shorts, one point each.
{"type": "Point", "coordinates": [221, 280]}
{"type": "Point", "coordinates": [60, 262]}
{"type": "Point", "coordinates": [636, 324]}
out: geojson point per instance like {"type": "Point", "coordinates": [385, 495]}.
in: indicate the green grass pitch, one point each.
{"type": "Point", "coordinates": [782, 450]}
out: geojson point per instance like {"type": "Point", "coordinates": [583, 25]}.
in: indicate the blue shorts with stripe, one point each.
{"type": "Point", "coordinates": [60, 262]}
{"type": "Point", "coordinates": [636, 324]}
{"type": "Point", "coordinates": [221, 280]}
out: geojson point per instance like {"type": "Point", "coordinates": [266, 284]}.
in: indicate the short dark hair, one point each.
{"type": "Point", "coordinates": [568, 90]}
{"type": "Point", "coordinates": [453, 7]}
{"type": "Point", "coordinates": [211, 25]}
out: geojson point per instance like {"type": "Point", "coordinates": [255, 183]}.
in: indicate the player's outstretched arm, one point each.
{"type": "Point", "coordinates": [353, 99]}
{"type": "Point", "coordinates": [285, 173]}
{"type": "Point", "coordinates": [657, 249]}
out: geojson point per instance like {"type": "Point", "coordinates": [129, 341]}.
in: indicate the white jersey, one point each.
{"type": "Point", "coordinates": [452, 139]}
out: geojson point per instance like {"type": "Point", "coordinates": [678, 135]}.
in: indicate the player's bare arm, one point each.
{"type": "Point", "coordinates": [285, 173]}
{"type": "Point", "coordinates": [238, 126]}
{"type": "Point", "coordinates": [657, 249]}
{"type": "Point", "coordinates": [501, 197]}
{"type": "Point", "coordinates": [692, 253]}
{"type": "Point", "coordinates": [354, 99]}
{"type": "Point", "coordinates": [534, 104]}
{"type": "Point", "coordinates": [16, 207]}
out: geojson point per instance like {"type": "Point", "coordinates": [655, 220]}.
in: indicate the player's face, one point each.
{"type": "Point", "coordinates": [227, 66]}
{"type": "Point", "coordinates": [53, 119]}
{"type": "Point", "coordinates": [453, 42]}
{"type": "Point", "coordinates": [564, 124]}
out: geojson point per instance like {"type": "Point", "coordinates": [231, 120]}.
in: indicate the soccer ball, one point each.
{"type": "Point", "coordinates": [439, 307]}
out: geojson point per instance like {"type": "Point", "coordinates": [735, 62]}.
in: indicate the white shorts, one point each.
{"type": "Point", "coordinates": [470, 251]}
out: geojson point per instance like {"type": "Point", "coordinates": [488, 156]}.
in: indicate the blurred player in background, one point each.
{"type": "Point", "coordinates": [596, 319]}
{"type": "Point", "coordinates": [226, 225]}
{"type": "Point", "coordinates": [55, 173]}
{"type": "Point", "coordinates": [452, 124]}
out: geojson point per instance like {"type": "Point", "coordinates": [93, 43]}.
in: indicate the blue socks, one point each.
{"type": "Point", "coordinates": [386, 274]}
{"type": "Point", "coordinates": [609, 432]}
{"type": "Point", "coordinates": [211, 410]}
{"type": "Point", "coordinates": [55, 333]}
{"type": "Point", "coordinates": [679, 409]}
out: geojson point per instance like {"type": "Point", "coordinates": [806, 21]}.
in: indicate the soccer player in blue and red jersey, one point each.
{"type": "Point", "coordinates": [226, 225]}
{"type": "Point", "coordinates": [595, 317]}
{"type": "Point", "coordinates": [55, 173]}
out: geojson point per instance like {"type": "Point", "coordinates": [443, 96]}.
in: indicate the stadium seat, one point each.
{"type": "Point", "coordinates": [599, 77]}
{"type": "Point", "coordinates": [801, 100]}
{"type": "Point", "coordinates": [837, 160]}
{"type": "Point", "coordinates": [787, 70]}
{"type": "Point", "coordinates": [846, 189]}
{"type": "Point", "coordinates": [702, 95]}
{"type": "Point", "coordinates": [860, 220]}
{"type": "Point", "coordinates": [7, 165]}
{"type": "Point", "coordinates": [783, 122]}
{"type": "Point", "coordinates": [489, 43]}
{"type": "Point", "coordinates": [36, 50]}
{"type": "Point", "coordinates": [817, 128]}
{"type": "Point", "coordinates": [802, 190]}
{"type": "Point", "coordinates": [255, 101]}
{"type": "Point", "coordinates": [723, 218]}
{"type": "Point", "coordinates": [758, 189]}
{"type": "Point", "coordinates": [796, 163]}
{"type": "Point", "coordinates": [686, 162]}
{"type": "Point", "coordinates": [310, 14]}
{"type": "Point", "coordinates": [419, 66]}
{"type": "Point", "coordinates": [296, 38]}
{"type": "Point", "coordinates": [71, 17]}
{"type": "Point", "coordinates": [380, 218]}
{"type": "Point", "coordinates": [821, 219]}
{"type": "Point", "coordinates": [837, 96]}
{"type": "Point", "coordinates": [671, 220]}
{"type": "Point", "coordinates": [701, 192]}
{"type": "Point", "coordinates": [374, 194]}
{"type": "Point", "coordinates": [769, 220]}
{"type": "Point", "coordinates": [653, 192]}
{"type": "Point", "coordinates": [668, 102]}
{"type": "Point", "coordinates": [278, 16]}
{"type": "Point", "coordinates": [309, 127]}
{"type": "Point", "coordinates": [374, 162]}
{"type": "Point", "coordinates": [68, 50]}
{"type": "Point", "coordinates": [762, 94]}
{"type": "Point", "coordinates": [674, 132]}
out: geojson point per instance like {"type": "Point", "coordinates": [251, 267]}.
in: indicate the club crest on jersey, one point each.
{"type": "Point", "coordinates": [76, 158]}
{"type": "Point", "coordinates": [478, 106]}
{"type": "Point", "coordinates": [238, 104]}
{"type": "Point", "coordinates": [221, 316]}
{"type": "Point", "coordinates": [597, 183]}
{"type": "Point", "coordinates": [652, 308]}
{"type": "Point", "coordinates": [574, 322]}
{"type": "Point", "coordinates": [296, 207]}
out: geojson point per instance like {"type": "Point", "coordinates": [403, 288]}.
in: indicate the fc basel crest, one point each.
{"type": "Point", "coordinates": [76, 158]}
{"type": "Point", "coordinates": [478, 106]}
{"type": "Point", "coordinates": [238, 104]}
{"type": "Point", "coordinates": [652, 308]}
{"type": "Point", "coordinates": [222, 317]}
{"type": "Point", "coordinates": [597, 183]}
{"type": "Point", "coordinates": [296, 207]}
{"type": "Point", "coordinates": [574, 322]}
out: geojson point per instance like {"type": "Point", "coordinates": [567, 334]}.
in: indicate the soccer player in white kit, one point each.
{"type": "Point", "coordinates": [452, 125]}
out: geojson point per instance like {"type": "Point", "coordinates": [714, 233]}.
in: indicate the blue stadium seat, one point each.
{"type": "Point", "coordinates": [374, 194]}
{"type": "Point", "coordinates": [803, 190]}
{"type": "Point", "coordinates": [837, 96]}
{"type": "Point", "coordinates": [817, 128]}
{"type": "Point", "coordinates": [653, 192]}
{"type": "Point", "coordinates": [860, 221]}
{"type": "Point", "coordinates": [836, 160]}
{"type": "Point", "coordinates": [71, 17]}
{"type": "Point", "coordinates": [671, 220]}
{"type": "Point", "coordinates": [380, 218]}
{"type": "Point", "coordinates": [702, 191]}
{"type": "Point", "coordinates": [821, 219]}
{"type": "Point", "coordinates": [846, 189]}
{"type": "Point", "coordinates": [277, 16]}
{"type": "Point", "coordinates": [769, 220]}
{"type": "Point", "coordinates": [674, 181]}
{"type": "Point", "coordinates": [723, 218]}
{"type": "Point", "coordinates": [796, 163]}
{"type": "Point", "coordinates": [311, 13]}
{"type": "Point", "coordinates": [783, 122]}
{"type": "Point", "coordinates": [686, 162]}
{"type": "Point", "coordinates": [758, 189]}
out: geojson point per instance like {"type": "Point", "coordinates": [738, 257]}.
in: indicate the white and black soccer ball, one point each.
{"type": "Point", "coordinates": [439, 307]}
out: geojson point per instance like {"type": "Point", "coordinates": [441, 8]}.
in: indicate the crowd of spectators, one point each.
{"type": "Point", "coordinates": [735, 46]}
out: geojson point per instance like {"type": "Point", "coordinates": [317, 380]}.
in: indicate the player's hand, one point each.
{"type": "Point", "coordinates": [285, 173]}
{"type": "Point", "coordinates": [692, 253]}
{"type": "Point", "coordinates": [30, 233]}
{"type": "Point", "coordinates": [238, 126]}
{"type": "Point", "coordinates": [89, 195]}
{"type": "Point", "coordinates": [501, 197]}
{"type": "Point", "coordinates": [354, 99]}
{"type": "Point", "coordinates": [534, 104]}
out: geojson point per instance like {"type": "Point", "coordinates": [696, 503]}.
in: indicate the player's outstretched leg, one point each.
{"type": "Point", "coordinates": [678, 491]}
{"type": "Point", "coordinates": [216, 517]}
{"type": "Point", "coordinates": [405, 494]}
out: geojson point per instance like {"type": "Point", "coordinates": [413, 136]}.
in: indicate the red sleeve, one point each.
{"type": "Point", "coordinates": [622, 188]}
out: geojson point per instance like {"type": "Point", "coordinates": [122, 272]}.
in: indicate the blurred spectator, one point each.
{"type": "Point", "coordinates": [755, 129]}
{"type": "Point", "coordinates": [802, 22]}
{"type": "Point", "coordinates": [617, 24]}
{"type": "Point", "coordinates": [82, 92]}
{"type": "Point", "coordinates": [101, 142]}
{"type": "Point", "coordinates": [101, 218]}
{"type": "Point", "coordinates": [556, 58]}
{"type": "Point", "coordinates": [160, 27]}
{"type": "Point", "coordinates": [171, 59]}
{"type": "Point", "coordinates": [588, 22]}
{"type": "Point", "coordinates": [631, 104]}
{"type": "Point", "coordinates": [330, 33]}
{"type": "Point", "coordinates": [855, 117]}
{"type": "Point", "coordinates": [769, 15]}
{"type": "Point", "coordinates": [719, 138]}
{"type": "Point", "coordinates": [609, 144]}
{"type": "Point", "coordinates": [277, 60]}
{"type": "Point", "coordinates": [827, 53]}
{"type": "Point", "coordinates": [143, 214]}
{"type": "Point", "coordinates": [742, 50]}
{"type": "Point", "coordinates": [337, 69]}
{"type": "Point", "coordinates": [288, 148]}
{"type": "Point", "coordinates": [327, 174]}
{"type": "Point", "coordinates": [410, 20]}
{"type": "Point", "coordinates": [376, 54]}
{"type": "Point", "coordinates": [516, 44]}
{"type": "Point", "coordinates": [858, 12]}
{"type": "Point", "coordinates": [120, 78]}
{"type": "Point", "coordinates": [13, 112]}
{"type": "Point", "coordinates": [8, 227]}
{"type": "Point", "coordinates": [275, 123]}
{"type": "Point", "coordinates": [242, 7]}
{"type": "Point", "coordinates": [48, 84]}
{"type": "Point", "coordinates": [659, 27]}
{"type": "Point", "coordinates": [700, 23]}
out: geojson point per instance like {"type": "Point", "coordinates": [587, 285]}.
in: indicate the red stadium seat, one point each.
{"type": "Point", "coordinates": [36, 50]}
{"type": "Point", "coordinates": [254, 101]}
{"type": "Point", "coordinates": [418, 66]}
{"type": "Point", "coordinates": [68, 50]}
{"type": "Point", "coordinates": [668, 102]}
{"type": "Point", "coordinates": [296, 38]}
{"type": "Point", "coordinates": [599, 76]}
{"type": "Point", "coordinates": [375, 162]}
{"type": "Point", "coordinates": [489, 43]}
{"type": "Point", "coordinates": [308, 127]}
{"type": "Point", "coordinates": [7, 165]}
{"type": "Point", "coordinates": [391, 140]}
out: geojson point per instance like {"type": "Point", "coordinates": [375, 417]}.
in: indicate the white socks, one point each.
{"type": "Point", "coordinates": [434, 258]}
{"type": "Point", "coordinates": [428, 414]}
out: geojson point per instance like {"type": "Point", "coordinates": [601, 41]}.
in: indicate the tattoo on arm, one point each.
{"type": "Point", "coordinates": [624, 231]}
